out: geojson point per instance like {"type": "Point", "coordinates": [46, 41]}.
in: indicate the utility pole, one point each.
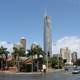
{"type": "Point", "coordinates": [17, 62]}
{"type": "Point", "coordinates": [47, 61]}
{"type": "Point", "coordinates": [58, 60]}
{"type": "Point", "coordinates": [32, 63]}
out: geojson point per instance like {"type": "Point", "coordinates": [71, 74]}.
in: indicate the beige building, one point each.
{"type": "Point", "coordinates": [34, 44]}
{"type": "Point", "coordinates": [17, 45]}
{"type": "Point", "coordinates": [66, 55]}
{"type": "Point", "coordinates": [23, 42]}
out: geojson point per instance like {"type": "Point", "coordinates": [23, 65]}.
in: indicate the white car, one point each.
{"type": "Point", "coordinates": [76, 71]}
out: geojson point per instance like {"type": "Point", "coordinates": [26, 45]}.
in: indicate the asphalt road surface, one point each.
{"type": "Point", "coordinates": [48, 76]}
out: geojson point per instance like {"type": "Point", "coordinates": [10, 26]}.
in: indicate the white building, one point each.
{"type": "Point", "coordinates": [66, 55]}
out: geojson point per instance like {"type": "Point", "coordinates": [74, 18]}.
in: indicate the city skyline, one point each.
{"type": "Point", "coordinates": [25, 18]}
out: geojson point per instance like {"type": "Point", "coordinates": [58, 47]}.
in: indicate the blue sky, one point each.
{"type": "Point", "coordinates": [25, 18]}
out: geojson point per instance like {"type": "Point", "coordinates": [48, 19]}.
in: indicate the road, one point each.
{"type": "Point", "coordinates": [49, 76]}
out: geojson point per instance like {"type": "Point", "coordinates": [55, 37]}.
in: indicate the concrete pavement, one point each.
{"type": "Point", "coordinates": [50, 70]}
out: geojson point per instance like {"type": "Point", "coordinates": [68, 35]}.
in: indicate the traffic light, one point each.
{"type": "Point", "coordinates": [48, 54]}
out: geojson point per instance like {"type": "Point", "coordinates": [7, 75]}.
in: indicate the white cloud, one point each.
{"type": "Point", "coordinates": [7, 45]}
{"type": "Point", "coordinates": [73, 43]}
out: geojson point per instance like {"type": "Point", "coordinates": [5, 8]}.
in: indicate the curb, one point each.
{"type": "Point", "coordinates": [8, 72]}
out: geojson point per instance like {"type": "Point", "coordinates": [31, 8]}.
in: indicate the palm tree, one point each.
{"type": "Point", "coordinates": [31, 54]}
{"type": "Point", "coordinates": [37, 50]}
{"type": "Point", "coordinates": [18, 52]}
{"type": "Point", "coordinates": [4, 52]}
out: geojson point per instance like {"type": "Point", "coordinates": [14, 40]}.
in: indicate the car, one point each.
{"type": "Point", "coordinates": [76, 71]}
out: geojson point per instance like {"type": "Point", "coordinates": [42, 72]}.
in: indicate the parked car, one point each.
{"type": "Point", "coordinates": [76, 71]}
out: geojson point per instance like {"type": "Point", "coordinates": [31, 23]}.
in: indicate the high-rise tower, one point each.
{"type": "Point", "coordinates": [47, 35]}
{"type": "Point", "coordinates": [23, 42]}
{"type": "Point", "coordinates": [66, 55]}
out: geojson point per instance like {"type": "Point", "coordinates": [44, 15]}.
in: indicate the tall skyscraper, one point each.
{"type": "Point", "coordinates": [47, 35]}
{"type": "Point", "coordinates": [74, 57]}
{"type": "Point", "coordinates": [23, 42]}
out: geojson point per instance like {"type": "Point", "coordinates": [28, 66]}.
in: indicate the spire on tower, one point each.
{"type": "Point", "coordinates": [45, 12]}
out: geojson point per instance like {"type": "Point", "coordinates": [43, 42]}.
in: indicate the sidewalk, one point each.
{"type": "Point", "coordinates": [9, 72]}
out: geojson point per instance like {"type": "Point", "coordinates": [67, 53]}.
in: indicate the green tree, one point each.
{"type": "Point", "coordinates": [56, 62]}
{"type": "Point", "coordinates": [4, 52]}
{"type": "Point", "coordinates": [37, 50]}
{"type": "Point", "coordinates": [18, 52]}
